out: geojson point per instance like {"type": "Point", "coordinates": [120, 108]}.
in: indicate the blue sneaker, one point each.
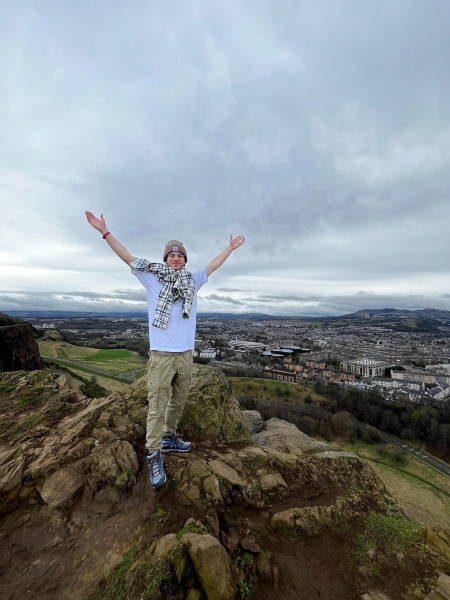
{"type": "Point", "coordinates": [155, 464]}
{"type": "Point", "coordinates": [170, 443]}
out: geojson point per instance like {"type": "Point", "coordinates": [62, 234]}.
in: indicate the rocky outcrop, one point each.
{"type": "Point", "coordinates": [80, 517]}
{"type": "Point", "coordinates": [18, 349]}
{"type": "Point", "coordinates": [284, 436]}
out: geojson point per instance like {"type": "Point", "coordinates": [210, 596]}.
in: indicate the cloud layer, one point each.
{"type": "Point", "coordinates": [321, 131]}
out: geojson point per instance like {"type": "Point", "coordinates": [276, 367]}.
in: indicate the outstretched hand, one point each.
{"type": "Point", "coordinates": [97, 223]}
{"type": "Point", "coordinates": [237, 241]}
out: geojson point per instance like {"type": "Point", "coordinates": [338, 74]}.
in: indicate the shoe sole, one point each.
{"type": "Point", "coordinates": [175, 450]}
{"type": "Point", "coordinates": [157, 487]}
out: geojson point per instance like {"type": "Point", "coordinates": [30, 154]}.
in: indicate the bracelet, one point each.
{"type": "Point", "coordinates": [106, 234]}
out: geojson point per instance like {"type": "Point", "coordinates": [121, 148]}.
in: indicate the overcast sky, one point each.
{"type": "Point", "coordinates": [319, 130]}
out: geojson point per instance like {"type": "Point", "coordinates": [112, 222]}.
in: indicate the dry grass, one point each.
{"type": "Point", "coordinates": [422, 492]}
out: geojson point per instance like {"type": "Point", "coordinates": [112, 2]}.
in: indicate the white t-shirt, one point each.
{"type": "Point", "coordinates": [179, 334]}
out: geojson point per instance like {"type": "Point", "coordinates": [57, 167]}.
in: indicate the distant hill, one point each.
{"type": "Point", "coordinates": [400, 313]}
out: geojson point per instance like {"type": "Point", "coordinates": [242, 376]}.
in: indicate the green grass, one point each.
{"type": "Point", "coordinates": [115, 587]}
{"type": "Point", "coordinates": [85, 370]}
{"type": "Point", "coordinates": [110, 361]}
{"type": "Point", "coordinates": [110, 355]}
{"type": "Point", "coordinates": [268, 389]}
{"type": "Point", "coordinates": [389, 534]}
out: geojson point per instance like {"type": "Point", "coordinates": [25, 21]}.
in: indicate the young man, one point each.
{"type": "Point", "coordinates": [172, 310]}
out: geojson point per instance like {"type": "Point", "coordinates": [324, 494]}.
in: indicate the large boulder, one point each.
{"type": "Point", "coordinates": [58, 489]}
{"type": "Point", "coordinates": [253, 421]}
{"type": "Point", "coordinates": [18, 348]}
{"type": "Point", "coordinates": [211, 412]}
{"type": "Point", "coordinates": [212, 565]}
{"type": "Point", "coordinates": [286, 437]}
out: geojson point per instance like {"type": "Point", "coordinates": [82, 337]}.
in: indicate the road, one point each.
{"type": "Point", "coordinates": [422, 456]}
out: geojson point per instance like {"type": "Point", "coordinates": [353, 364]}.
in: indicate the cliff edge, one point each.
{"type": "Point", "coordinates": [18, 348]}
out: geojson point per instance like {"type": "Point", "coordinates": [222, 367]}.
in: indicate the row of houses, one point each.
{"type": "Point", "coordinates": [411, 390]}
{"type": "Point", "coordinates": [305, 375]}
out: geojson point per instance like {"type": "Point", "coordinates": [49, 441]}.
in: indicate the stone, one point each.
{"type": "Point", "coordinates": [82, 449]}
{"type": "Point", "coordinates": [164, 545]}
{"type": "Point", "coordinates": [118, 461]}
{"type": "Point", "coordinates": [211, 412]}
{"type": "Point", "coordinates": [374, 595]}
{"type": "Point", "coordinates": [192, 492]}
{"type": "Point", "coordinates": [212, 565]}
{"type": "Point", "coordinates": [230, 540]}
{"type": "Point", "coordinates": [12, 479]}
{"type": "Point", "coordinates": [253, 453]}
{"type": "Point", "coordinates": [285, 518]}
{"type": "Point", "coordinates": [439, 541]}
{"type": "Point", "coordinates": [222, 470]}
{"type": "Point", "coordinates": [6, 454]}
{"type": "Point", "coordinates": [198, 468]}
{"type": "Point", "coordinates": [253, 421]}
{"type": "Point", "coordinates": [211, 488]}
{"type": "Point", "coordinates": [58, 489]}
{"type": "Point", "coordinates": [286, 437]}
{"type": "Point", "coordinates": [61, 382]}
{"type": "Point", "coordinates": [442, 590]}
{"type": "Point", "coordinates": [264, 569]}
{"type": "Point", "coordinates": [45, 463]}
{"type": "Point", "coordinates": [213, 522]}
{"type": "Point", "coordinates": [249, 543]}
{"type": "Point", "coordinates": [271, 482]}
{"type": "Point", "coordinates": [232, 460]}
{"type": "Point", "coordinates": [194, 594]}
{"type": "Point", "coordinates": [282, 459]}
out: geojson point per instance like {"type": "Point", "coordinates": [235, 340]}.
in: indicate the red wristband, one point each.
{"type": "Point", "coordinates": [107, 233]}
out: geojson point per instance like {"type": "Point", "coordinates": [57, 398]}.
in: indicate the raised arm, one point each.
{"type": "Point", "coordinates": [100, 225]}
{"type": "Point", "coordinates": [222, 257]}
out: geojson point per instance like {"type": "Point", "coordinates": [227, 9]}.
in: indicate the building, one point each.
{"type": "Point", "coordinates": [365, 367]}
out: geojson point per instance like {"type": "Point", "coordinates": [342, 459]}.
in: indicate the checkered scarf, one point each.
{"type": "Point", "coordinates": [177, 285]}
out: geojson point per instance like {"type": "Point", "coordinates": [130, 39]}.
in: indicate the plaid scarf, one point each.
{"type": "Point", "coordinates": [177, 285]}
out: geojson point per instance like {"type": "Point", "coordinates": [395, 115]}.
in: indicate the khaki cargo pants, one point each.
{"type": "Point", "coordinates": [169, 376]}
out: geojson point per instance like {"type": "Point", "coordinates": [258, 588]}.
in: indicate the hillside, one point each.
{"type": "Point", "coordinates": [115, 363]}
{"type": "Point", "coordinates": [278, 515]}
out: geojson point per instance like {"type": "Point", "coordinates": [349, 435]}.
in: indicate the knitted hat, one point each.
{"type": "Point", "coordinates": [174, 246]}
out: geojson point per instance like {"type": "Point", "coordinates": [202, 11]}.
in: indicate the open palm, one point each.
{"type": "Point", "coordinates": [237, 241]}
{"type": "Point", "coordinates": [97, 223]}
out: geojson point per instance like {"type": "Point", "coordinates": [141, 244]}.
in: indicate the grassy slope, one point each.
{"type": "Point", "coordinates": [422, 492]}
{"type": "Point", "coordinates": [111, 361]}
{"type": "Point", "coordinates": [266, 389]}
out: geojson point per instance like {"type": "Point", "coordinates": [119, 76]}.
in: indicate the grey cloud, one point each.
{"type": "Point", "coordinates": [226, 299]}
{"type": "Point", "coordinates": [296, 124]}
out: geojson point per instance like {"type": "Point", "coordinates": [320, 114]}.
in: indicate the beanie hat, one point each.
{"type": "Point", "coordinates": [174, 246]}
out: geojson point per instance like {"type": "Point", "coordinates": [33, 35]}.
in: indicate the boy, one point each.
{"type": "Point", "coordinates": [172, 309]}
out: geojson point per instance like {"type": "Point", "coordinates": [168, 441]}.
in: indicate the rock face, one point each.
{"type": "Point", "coordinates": [18, 349]}
{"type": "Point", "coordinates": [211, 412]}
{"type": "Point", "coordinates": [284, 436]}
{"type": "Point", "coordinates": [78, 510]}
